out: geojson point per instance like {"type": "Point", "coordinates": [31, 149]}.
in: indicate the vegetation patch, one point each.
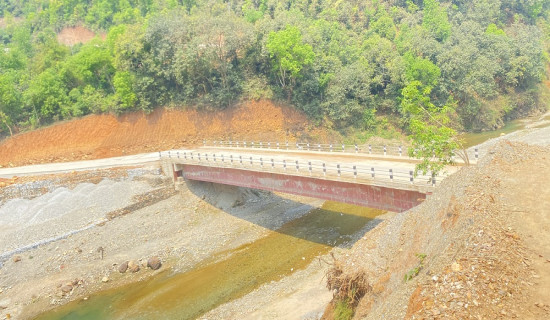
{"type": "Point", "coordinates": [416, 270]}
{"type": "Point", "coordinates": [347, 288]}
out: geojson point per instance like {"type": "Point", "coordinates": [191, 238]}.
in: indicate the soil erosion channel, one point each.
{"type": "Point", "coordinates": [228, 275]}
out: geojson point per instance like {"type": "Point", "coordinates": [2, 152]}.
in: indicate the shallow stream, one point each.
{"type": "Point", "coordinates": [228, 275]}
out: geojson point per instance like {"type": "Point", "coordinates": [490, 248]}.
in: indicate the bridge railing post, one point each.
{"type": "Point", "coordinates": [251, 163]}
{"type": "Point", "coordinates": [223, 159]}
{"type": "Point", "coordinates": [338, 168]}
{"type": "Point", "coordinates": [261, 162]}
{"type": "Point", "coordinates": [169, 155]}
{"type": "Point", "coordinates": [272, 164]}
{"type": "Point", "coordinates": [319, 146]}
{"type": "Point", "coordinates": [400, 151]}
{"type": "Point", "coordinates": [433, 179]}
{"type": "Point", "coordinates": [206, 156]}
{"type": "Point", "coordinates": [191, 154]}
{"type": "Point", "coordinates": [385, 150]}
{"type": "Point", "coordinates": [356, 148]}
{"type": "Point", "coordinates": [204, 142]}
{"type": "Point", "coordinates": [391, 175]}
{"type": "Point", "coordinates": [185, 155]}
{"type": "Point", "coordinates": [355, 172]}
{"type": "Point", "coordinates": [160, 155]}
{"type": "Point", "coordinates": [372, 172]}
{"type": "Point", "coordinates": [324, 170]}
{"type": "Point", "coordinates": [214, 156]}
{"type": "Point", "coordinates": [343, 148]}
{"type": "Point", "coordinates": [252, 144]}
{"type": "Point", "coordinates": [370, 149]}
{"type": "Point", "coordinates": [309, 164]}
{"type": "Point", "coordinates": [199, 156]}
{"type": "Point", "coordinates": [476, 154]}
{"type": "Point", "coordinates": [277, 145]}
{"type": "Point", "coordinates": [178, 153]}
{"type": "Point", "coordinates": [231, 158]}
{"type": "Point", "coordinates": [287, 145]}
{"type": "Point", "coordinates": [308, 146]}
{"type": "Point", "coordinates": [411, 176]}
{"type": "Point", "coordinates": [297, 166]}
{"type": "Point", "coordinates": [331, 147]}
{"type": "Point", "coordinates": [284, 165]}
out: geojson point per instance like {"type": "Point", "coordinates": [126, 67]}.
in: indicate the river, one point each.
{"type": "Point", "coordinates": [227, 275]}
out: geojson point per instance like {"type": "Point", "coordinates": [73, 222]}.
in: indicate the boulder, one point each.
{"type": "Point", "coordinates": [133, 266]}
{"type": "Point", "coordinates": [123, 267]}
{"type": "Point", "coordinates": [66, 289]}
{"type": "Point", "coordinates": [154, 263]}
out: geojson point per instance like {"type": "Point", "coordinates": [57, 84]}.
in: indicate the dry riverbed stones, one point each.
{"type": "Point", "coordinates": [134, 266]}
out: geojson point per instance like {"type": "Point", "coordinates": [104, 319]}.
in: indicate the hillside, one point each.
{"type": "Point", "coordinates": [99, 136]}
{"type": "Point", "coordinates": [476, 249]}
{"type": "Point", "coordinates": [344, 64]}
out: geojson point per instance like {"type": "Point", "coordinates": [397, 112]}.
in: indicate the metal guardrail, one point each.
{"type": "Point", "coordinates": [386, 150]}
{"type": "Point", "coordinates": [314, 168]}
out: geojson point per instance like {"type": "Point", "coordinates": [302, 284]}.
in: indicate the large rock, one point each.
{"type": "Point", "coordinates": [154, 263]}
{"type": "Point", "coordinates": [133, 266]}
{"type": "Point", "coordinates": [123, 267]}
{"type": "Point", "coordinates": [66, 289]}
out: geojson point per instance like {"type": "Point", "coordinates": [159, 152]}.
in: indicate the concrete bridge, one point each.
{"type": "Point", "coordinates": [381, 181]}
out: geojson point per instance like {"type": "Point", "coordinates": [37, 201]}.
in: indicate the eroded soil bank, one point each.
{"type": "Point", "coordinates": [476, 249]}
{"type": "Point", "coordinates": [102, 136]}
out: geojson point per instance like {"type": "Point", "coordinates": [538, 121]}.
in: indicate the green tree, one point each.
{"type": "Point", "coordinates": [436, 19]}
{"type": "Point", "coordinates": [433, 140]}
{"type": "Point", "coordinates": [289, 55]}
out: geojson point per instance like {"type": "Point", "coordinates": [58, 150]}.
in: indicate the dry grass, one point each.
{"type": "Point", "coordinates": [345, 286]}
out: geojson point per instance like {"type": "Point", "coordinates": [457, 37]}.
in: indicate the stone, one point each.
{"type": "Point", "coordinates": [104, 279]}
{"type": "Point", "coordinates": [66, 288]}
{"type": "Point", "coordinates": [154, 263]}
{"type": "Point", "coordinates": [456, 267]}
{"type": "Point", "coordinates": [16, 258]}
{"type": "Point", "coordinates": [4, 304]}
{"type": "Point", "coordinates": [123, 267]}
{"type": "Point", "coordinates": [133, 266]}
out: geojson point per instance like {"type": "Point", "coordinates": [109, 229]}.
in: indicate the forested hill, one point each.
{"type": "Point", "coordinates": [344, 62]}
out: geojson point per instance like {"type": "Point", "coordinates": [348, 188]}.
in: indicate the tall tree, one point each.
{"type": "Point", "coordinates": [289, 55]}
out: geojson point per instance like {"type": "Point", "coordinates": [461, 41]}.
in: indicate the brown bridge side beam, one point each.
{"type": "Point", "coordinates": [377, 197]}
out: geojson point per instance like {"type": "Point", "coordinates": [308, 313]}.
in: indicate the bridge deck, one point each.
{"type": "Point", "coordinates": [357, 179]}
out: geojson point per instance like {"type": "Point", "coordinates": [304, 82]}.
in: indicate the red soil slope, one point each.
{"type": "Point", "coordinates": [70, 36]}
{"type": "Point", "coordinates": [98, 136]}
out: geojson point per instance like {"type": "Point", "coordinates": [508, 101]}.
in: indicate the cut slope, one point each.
{"type": "Point", "coordinates": [481, 233]}
{"type": "Point", "coordinates": [98, 136]}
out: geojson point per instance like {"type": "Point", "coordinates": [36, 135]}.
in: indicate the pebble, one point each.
{"type": "Point", "coordinates": [16, 258]}
{"type": "Point", "coordinates": [456, 267]}
{"type": "Point", "coordinates": [104, 279]}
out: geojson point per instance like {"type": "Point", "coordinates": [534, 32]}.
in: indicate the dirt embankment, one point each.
{"type": "Point", "coordinates": [70, 36]}
{"type": "Point", "coordinates": [477, 249]}
{"type": "Point", "coordinates": [100, 136]}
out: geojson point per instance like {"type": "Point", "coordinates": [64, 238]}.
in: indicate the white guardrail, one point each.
{"type": "Point", "coordinates": [314, 168]}
{"type": "Point", "coordinates": [391, 150]}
